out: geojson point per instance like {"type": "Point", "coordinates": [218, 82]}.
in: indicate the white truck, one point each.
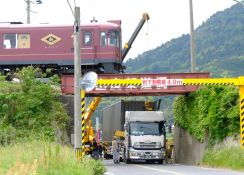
{"type": "Point", "coordinates": [145, 137]}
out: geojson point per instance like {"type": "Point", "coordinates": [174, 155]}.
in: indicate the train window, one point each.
{"type": "Point", "coordinates": [87, 38]}
{"type": "Point", "coordinates": [14, 40]}
{"type": "Point", "coordinates": [103, 39]}
{"type": "Point", "coordinates": [113, 38]}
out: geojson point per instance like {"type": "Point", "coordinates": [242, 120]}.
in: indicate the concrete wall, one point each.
{"type": "Point", "coordinates": [188, 150]}
{"type": "Point", "coordinates": [68, 101]}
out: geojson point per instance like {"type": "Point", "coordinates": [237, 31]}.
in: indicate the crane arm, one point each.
{"type": "Point", "coordinates": [145, 17]}
{"type": "Point", "coordinates": [92, 108]}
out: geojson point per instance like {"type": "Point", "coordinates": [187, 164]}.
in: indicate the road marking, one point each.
{"type": "Point", "coordinates": [108, 173]}
{"type": "Point", "coordinates": [165, 171]}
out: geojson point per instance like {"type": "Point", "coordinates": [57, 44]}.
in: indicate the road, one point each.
{"type": "Point", "coordinates": [166, 169]}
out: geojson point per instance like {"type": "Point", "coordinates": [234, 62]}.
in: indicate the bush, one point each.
{"type": "Point", "coordinates": [211, 111]}
{"type": "Point", "coordinates": [225, 157]}
{"type": "Point", "coordinates": [30, 108]}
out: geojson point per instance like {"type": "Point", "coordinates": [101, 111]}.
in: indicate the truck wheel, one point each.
{"type": "Point", "coordinates": [160, 161]}
{"type": "Point", "coordinates": [127, 161]}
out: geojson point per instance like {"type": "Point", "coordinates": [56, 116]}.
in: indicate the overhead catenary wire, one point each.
{"type": "Point", "coordinates": [70, 8]}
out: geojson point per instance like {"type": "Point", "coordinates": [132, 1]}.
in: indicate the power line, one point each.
{"type": "Point", "coordinates": [71, 8]}
{"type": "Point", "coordinates": [240, 2]}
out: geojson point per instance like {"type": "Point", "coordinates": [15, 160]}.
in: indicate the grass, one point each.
{"type": "Point", "coordinates": [225, 157]}
{"type": "Point", "coordinates": [45, 158]}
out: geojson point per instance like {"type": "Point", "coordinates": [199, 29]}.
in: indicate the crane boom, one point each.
{"type": "Point", "coordinates": [145, 17]}
{"type": "Point", "coordinates": [92, 108]}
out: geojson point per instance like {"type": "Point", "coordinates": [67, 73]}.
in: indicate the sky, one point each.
{"type": "Point", "coordinates": [168, 18]}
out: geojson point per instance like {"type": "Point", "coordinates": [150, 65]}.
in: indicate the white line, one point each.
{"type": "Point", "coordinates": [165, 171]}
{"type": "Point", "coordinates": [108, 173]}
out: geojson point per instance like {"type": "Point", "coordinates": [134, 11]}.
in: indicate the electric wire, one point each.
{"type": "Point", "coordinates": [240, 2]}
{"type": "Point", "coordinates": [70, 8]}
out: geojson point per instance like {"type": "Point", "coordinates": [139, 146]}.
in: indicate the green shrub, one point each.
{"type": "Point", "coordinates": [45, 158]}
{"type": "Point", "coordinates": [211, 111]}
{"type": "Point", "coordinates": [30, 108]}
{"type": "Point", "coordinates": [225, 157]}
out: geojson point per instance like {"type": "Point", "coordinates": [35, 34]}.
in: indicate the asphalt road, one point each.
{"type": "Point", "coordinates": [166, 169]}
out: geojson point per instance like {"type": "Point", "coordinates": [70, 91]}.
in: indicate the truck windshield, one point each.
{"type": "Point", "coordinates": [146, 128]}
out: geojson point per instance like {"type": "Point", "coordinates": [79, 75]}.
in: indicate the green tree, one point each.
{"type": "Point", "coordinates": [30, 108]}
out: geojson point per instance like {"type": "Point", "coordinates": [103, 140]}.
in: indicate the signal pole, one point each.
{"type": "Point", "coordinates": [77, 94]}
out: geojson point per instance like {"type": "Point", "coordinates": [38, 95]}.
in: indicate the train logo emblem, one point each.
{"type": "Point", "coordinates": [51, 39]}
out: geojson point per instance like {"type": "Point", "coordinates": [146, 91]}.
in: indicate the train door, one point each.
{"type": "Point", "coordinates": [88, 45]}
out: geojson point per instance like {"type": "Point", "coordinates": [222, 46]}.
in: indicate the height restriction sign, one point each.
{"type": "Point", "coordinates": [161, 82]}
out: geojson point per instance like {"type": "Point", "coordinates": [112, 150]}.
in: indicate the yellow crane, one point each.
{"type": "Point", "coordinates": [89, 132]}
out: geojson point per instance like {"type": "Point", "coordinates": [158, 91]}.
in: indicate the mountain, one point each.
{"type": "Point", "coordinates": [219, 48]}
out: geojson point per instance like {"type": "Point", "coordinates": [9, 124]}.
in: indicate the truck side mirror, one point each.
{"type": "Point", "coordinates": [126, 127]}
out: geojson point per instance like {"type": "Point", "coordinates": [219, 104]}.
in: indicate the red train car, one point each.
{"type": "Point", "coordinates": [51, 46]}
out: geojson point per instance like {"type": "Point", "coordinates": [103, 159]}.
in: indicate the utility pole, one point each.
{"type": "Point", "coordinates": [192, 38]}
{"type": "Point", "coordinates": [28, 11]}
{"type": "Point", "coordinates": [28, 8]}
{"type": "Point", "coordinates": [77, 94]}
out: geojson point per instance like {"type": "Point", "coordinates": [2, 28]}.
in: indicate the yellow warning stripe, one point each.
{"type": "Point", "coordinates": [186, 81]}
{"type": "Point", "coordinates": [210, 81]}
{"type": "Point", "coordinates": [119, 82]}
{"type": "Point", "coordinates": [83, 122]}
{"type": "Point", "coordinates": [214, 81]}
{"type": "Point", "coordinates": [242, 115]}
{"type": "Point", "coordinates": [78, 153]}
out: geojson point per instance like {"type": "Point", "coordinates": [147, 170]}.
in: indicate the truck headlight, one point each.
{"type": "Point", "coordinates": [133, 153]}
{"type": "Point", "coordinates": [155, 153]}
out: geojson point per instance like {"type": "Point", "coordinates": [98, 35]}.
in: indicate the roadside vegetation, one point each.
{"type": "Point", "coordinates": [211, 114]}
{"type": "Point", "coordinates": [33, 125]}
{"type": "Point", "coordinates": [45, 158]}
{"type": "Point", "coordinates": [224, 157]}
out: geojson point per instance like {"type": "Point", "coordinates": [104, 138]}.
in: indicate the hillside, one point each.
{"type": "Point", "coordinates": [219, 48]}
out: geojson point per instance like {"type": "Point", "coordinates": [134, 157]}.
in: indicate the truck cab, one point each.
{"type": "Point", "coordinates": [145, 137]}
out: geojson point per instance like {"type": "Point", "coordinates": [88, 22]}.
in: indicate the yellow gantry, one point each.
{"type": "Point", "coordinates": [214, 81]}
{"type": "Point", "coordinates": [190, 81]}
